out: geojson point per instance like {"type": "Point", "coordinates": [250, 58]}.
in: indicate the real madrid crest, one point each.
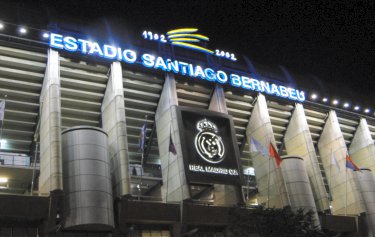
{"type": "Point", "coordinates": [208, 143]}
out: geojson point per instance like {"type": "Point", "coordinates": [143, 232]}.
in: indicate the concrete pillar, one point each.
{"type": "Point", "coordinates": [114, 124]}
{"type": "Point", "coordinates": [298, 185]}
{"type": "Point", "coordinates": [366, 183]}
{"type": "Point", "coordinates": [50, 128]}
{"type": "Point", "coordinates": [268, 176]}
{"type": "Point", "coordinates": [224, 194]}
{"type": "Point", "coordinates": [175, 187]}
{"type": "Point", "coordinates": [298, 142]}
{"type": "Point", "coordinates": [362, 148]}
{"type": "Point", "coordinates": [343, 190]}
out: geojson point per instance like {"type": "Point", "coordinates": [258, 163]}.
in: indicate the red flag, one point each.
{"type": "Point", "coordinates": [275, 155]}
{"type": "Point", "coordinates": [172, 148]}
{"type": "Point", "coordinates": [350, 164]}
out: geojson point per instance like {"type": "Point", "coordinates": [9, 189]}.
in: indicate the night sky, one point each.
{"type": "Point", "coordinates": [333, 40]}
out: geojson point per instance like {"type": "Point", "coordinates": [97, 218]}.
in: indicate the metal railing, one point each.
{"type": "Point", "coordinates": [15, 160]}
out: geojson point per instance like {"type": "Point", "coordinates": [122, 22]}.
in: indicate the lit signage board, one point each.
{"type": "Point", "coordinates": [187, 38]}
{"type": "Point", "coordinates": [155, 62]}
{"type": "Point", "coordinates": [209, 146]}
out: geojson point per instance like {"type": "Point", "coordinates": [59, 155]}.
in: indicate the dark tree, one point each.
{"type": "Point", "coordinates": [270, 222]}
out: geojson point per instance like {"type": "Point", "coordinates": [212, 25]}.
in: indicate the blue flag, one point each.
{"type": "Point", "coordinates": [172, 147]}
{"type": "Point", "coordinates": [142, 137]}
{"type": "Point", "coordinates": [256, 146]}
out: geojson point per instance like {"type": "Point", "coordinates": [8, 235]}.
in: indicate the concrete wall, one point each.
{"type": "Point", "coordinates": [298, 142]}
{"type": "Point", "coordinates": [114, 124]}
{"type": "Point", "coordinates": [362, 148]}
{"type": "Point", "coordinates": [175, 187]}
{"type": "Point", "coordinates": [366, 184]}
{"type": "Point", "coordinates": [298, 185]}
{"type": "Point", "coordinates": [224, 194]}
{"type": "Point", "coordinates": [266, 172]}
{"type": "Point", "coordinates": [87, 179]}
{"type": "Point", "coordinates": [50, 128]}
{"type": "Point", "coordinates": [345, 196]}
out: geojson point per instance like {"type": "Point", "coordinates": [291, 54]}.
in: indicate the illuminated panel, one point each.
{"type": "Point", "coordinates": [197, 36]}
{"type": "Point", "coordinates": [182, 30]}
{"type": "Point", "coordinates": [192, 46]}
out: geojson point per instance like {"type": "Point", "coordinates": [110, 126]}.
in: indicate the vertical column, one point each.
{"type": "Point", "coordinates": [298, 142]}
{"type": "Point", "coordinates": [224, 194]}
{"type": "Point", "coordinates": [332, 146]}
{"type": "Point", "coordinates": [298, 185]}
{"type": "Point", "coordinates": [269, 178]}
{"type": "Point", "coordinates": [114, 124]}
{"type": "Point", "coordinates": [175, 187]}
{"type": "Point", "coordinates": [366, 185]}
{"type": "Point", "coordinates": [362, 148]}
{"type": "Point", "coordinates": [50, 127]}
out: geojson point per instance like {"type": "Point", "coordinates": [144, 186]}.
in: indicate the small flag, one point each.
{"type": "Point", "coordinates": [256, 146]}
{"type": "Point", "coordinates": [334, 161]}
{"type": "Point", "coordinates": [172, 148]}
{"type": "Point", "coordinates": [350, 164]}
{"type": "Point", "coordinates": [142, 137]}
{"type": "Point", "coordinates": [2, 111]}
{"type": "Point", "coordinates": [275, 155]}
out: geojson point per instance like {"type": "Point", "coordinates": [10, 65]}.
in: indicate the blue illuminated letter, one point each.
{"type": "Point", "coordinates": [199, 72]}
{"type": "Point", "coordinates": [84, 45]}
{"type": "Point", "coordinates": [210, 74]}
{"type": "Point", "coordinates": [246, 83]}
{"type": "Point", "coordinates": [221, 77]}
{"type": "Point", "coordinates": [148, 60]}
{"type": "Point", "coordinates": [130, 56]}
{"type": "Point", "coordinates": [292, 94]}
{"type": "Point", "coordinates": [301, 95]}
{"type": "Point", "coordinates": [275, 90]}
{"type": "Point", "coordinates": [159, 63]}
{"type": "Point", "coordinates": [70, 44]}
{"type": "Point", "coordinates": [235, 80]}
{"type": "Point", "coordinates": [109, 51]}
{"type": "Point", "coordinates": [56, 41]}
{"type": "Point", "coordinates": [283, 91]}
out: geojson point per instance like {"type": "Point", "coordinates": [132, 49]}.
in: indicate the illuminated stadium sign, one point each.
{"type": "Point", "coordinates": [209, 146]}
{"type": "Point", "coordinates": [187, 38]}
{"type": "Point", "coordinates": [156, 62]}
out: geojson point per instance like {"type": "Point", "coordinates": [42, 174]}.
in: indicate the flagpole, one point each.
{"type": "Point", "coordinates": [268, 181]}
{"type": "Point", "coordinates": [2, 122]}
{"type": "Point", "coordinates": [142, 158]}
{"type": "Point", "coordinates": [330, 180]}
{"type": "Point", "coordinates": [286, 189]}
{"type": "Point", "coordinates": [346, 191]}
{"type": "Point", "coordinates": [169, 158]}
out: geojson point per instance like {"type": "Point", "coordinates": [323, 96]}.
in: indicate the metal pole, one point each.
{"type": "Point", "coordinates": [142, 158]}
{"type": "Point", "coordinates": [346, 191]}
{"type": "Point", "coordinates": [2, 123]}
{"type": "Point", "coordinates": [33, 177]}
{"type": "Point", "coordinates": [140, 181]}
{"type": "Point", "coordinates": [268, 181]}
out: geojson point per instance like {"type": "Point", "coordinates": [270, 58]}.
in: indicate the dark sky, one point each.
{"type": "Point", "coordinates": [334, 40]}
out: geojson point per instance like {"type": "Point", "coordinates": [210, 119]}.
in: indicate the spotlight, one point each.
{"type": "Point", "coordinates": [1, 26]}
{"type": "Point", "coordinates": [356, 107]}
{"type": "Point", "coordinates": [335, 102]}
{"type": "Point", "coordinates": [22, 30]}
{"type": "Point", "coordinates": [3, 180]}
{"type": "Point", "coordinates": [45, 35]}
{"type": "Point", "coordinates": [346, 105]}
{"type": "Point", "coordinates": [367, 110]}
{"type": "Point", "coordinates": [325, 99]}
{"type": "Point", "coordinates": [314, 96]}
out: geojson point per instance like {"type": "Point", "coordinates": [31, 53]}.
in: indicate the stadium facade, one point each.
{"type": "Point", "coordinates": [161, 137]}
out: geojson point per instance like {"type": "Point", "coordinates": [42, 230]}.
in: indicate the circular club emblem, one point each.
{"type": "Point", "coordinates": [208, 143]}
